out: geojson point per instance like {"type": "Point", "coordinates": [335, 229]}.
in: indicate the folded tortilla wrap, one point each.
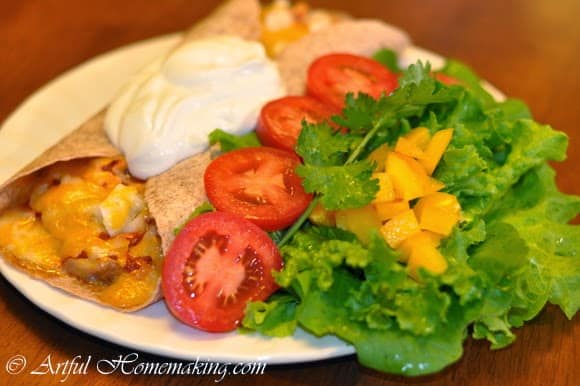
{"type": "Point", "coordinates": [174, 194]}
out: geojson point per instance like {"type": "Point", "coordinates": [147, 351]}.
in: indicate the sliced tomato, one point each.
{"type": "Point", "coordinates": [281, 120]}
{"type": "Point", "coordinates": [331, 77]}
{"type": "Point", "coordinates": [216, 265]}
{"type": "Point", "coordinates": [259, 184]}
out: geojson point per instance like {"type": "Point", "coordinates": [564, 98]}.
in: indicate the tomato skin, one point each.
{"type": "Point", "coordinates": [207, 309]}
{"type": "Point", "coordinates": [280, 120]}
{"type": "Point", "coordinates": [331, 77]}
{"type": "Point", "coordinates": [259, 184]}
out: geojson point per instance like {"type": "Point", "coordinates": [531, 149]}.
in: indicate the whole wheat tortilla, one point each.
{"type": "Point", "coordinates": [174, 194]}
{"type": "Point", "coordinates": [171, 207]}
{"type": "Point", "coordinates": [360, 37]}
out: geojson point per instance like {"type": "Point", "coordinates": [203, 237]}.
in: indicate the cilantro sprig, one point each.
{"type": "Point", "coordinates": [333, 167]}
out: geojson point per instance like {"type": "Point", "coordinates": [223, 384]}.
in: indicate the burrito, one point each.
{"type": "Point", "coordinates": [80, 218]}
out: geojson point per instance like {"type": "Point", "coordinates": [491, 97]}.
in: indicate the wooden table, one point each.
{"type": "Point", "coordinates": [528, 48]}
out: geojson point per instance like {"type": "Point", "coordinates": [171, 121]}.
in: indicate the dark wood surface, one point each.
{"type": "Point", "coordinates": [530, 49]}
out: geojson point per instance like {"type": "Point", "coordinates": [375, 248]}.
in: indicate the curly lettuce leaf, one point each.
{"type": "Point", "coordinates": [491, 149]}
{"type": "Point", "coordinates": [277, 317]}
{"type": "Point", "coordinates": [468, 78]}
{"type": "Point", "coordinates": [388, 58]}
{"type": "Point", "coordinates": [553, 245]}
{"type": "Point", "coordinates": [513, 253]}
{"type": "Point", "coordinates": [395, 323]}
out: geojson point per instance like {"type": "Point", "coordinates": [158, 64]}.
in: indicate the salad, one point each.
{"type": "Point", "coordinates": [400, 210]}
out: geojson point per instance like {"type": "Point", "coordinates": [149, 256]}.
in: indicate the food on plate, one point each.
{"type": "Point", "coordinates": [207, 83]}
{"type": "Point", "coordinates": [174, 186]}
{"type": "Point", "coordinates": [95, 270]}
{"type": "Point", "coordinates": [216, 265]}
{"type": "Point", "coordinates": [284, 23]}
{"type": "Point", "coordinates": [404, 205]}
{"type": "Point", "coordinates": [424, 228]}
{"type": "Point", "coordinates": [348, 36]}
{"type": "Point", "coordinates": [259, 184]}
{"type": "Point", "coordinates": [281, 119]}
{"type": "Point", "coordinates": [331, 77]}
{"type": "Point", "coordinates": [85, 228]}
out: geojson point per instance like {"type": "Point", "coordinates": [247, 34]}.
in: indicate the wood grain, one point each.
{"type": "Point", "coordinates": [527, 48]}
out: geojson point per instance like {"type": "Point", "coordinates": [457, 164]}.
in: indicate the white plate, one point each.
{"type": "Point", "coordinates": [51, 113]}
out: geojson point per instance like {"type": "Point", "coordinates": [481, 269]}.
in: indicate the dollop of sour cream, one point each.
{"type": "Point", "coordinates": [165, 113]}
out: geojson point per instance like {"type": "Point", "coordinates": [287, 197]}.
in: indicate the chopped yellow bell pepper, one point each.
{"type": "Point", "coordinates": [420, 136]}
{"type": "Point", "coordinates": [426, 256]}
{"type": "Point", "coordinates": [389, 209]}
{"type": "Point", "coordinates": [408, 176]}
{"type": "Point", "coordinates": [435, 149]}
{"type": "Point", "coordinates": [360, 221]}
{"type": "Point", "coordinates": [386, 191]}
{"type": "Point", "coordinates": [399, 228]}
{"type": "Point", "coordinates": [415, 241]}
{"type": "Point", "coordinates": [409, 148]}
{"type": "Point", "coordinates": [379, 155]}
{"type": "Point", "coordinates": [432, 185]}
{"type": "Point", "coordinates": [438, 212]}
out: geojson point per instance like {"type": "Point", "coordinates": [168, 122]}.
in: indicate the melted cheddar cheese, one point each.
{"type": "Point", "coordinates": [87, 219]}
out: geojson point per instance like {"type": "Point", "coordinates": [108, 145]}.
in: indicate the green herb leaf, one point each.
{"type": "Point", "coordinates": [341, 187]}
{"type": "Point", "coordinates": [320, 145]}
{"type": "Point", "coordinates": [229, 142]}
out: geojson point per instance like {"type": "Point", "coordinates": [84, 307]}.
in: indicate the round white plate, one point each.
{"type": "Point", "coordinates": [57, 109]}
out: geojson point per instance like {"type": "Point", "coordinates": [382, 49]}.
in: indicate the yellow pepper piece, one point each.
{"type": "Point", "coordinates": [419, 136]}
{"type": "Point", "coordinates": [386, 191]}
{"type": "Point", "coordinates": [426, 256]}
{"type": "Point", "coordinates": [321, 216]}
{"type": "Point", "coordinates": [389, 209]}
{"type": "Point", "coordinates": [409, 148]}
{"type": "Point", "coordinates": [399, 228]}
{"type": "Point", "coordinates": [359, 221]}
{"type": "Point", "coordinates": [408, 176]}
{"type": "Point", "coordinates": [379, 155]}
{"type": "Point", "coordinates": [432, 185]}
{"type": "Point", "coordinates": [415, 240]}
{"type": "Point", "coordinates": [438, 212]}
{"type": "Point", "coordinates": [435, 149]}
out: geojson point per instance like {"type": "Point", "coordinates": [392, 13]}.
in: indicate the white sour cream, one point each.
{"type": "Point", "coordinates": [165, 113]}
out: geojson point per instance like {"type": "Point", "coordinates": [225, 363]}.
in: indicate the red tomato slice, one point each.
{"type": "Point", "coordinates": [217, 264]}
{"type": "Point", "coordinates": [259, 184]}
{"type": "Point", "coordinates": [331, 77]}
{"type": "Point", "coordinates": [281, 120]}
